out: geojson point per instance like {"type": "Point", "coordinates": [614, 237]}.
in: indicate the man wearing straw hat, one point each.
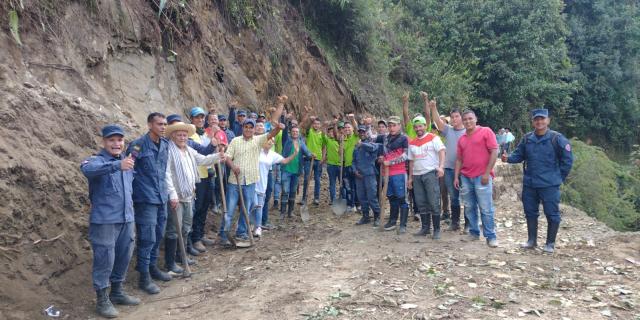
{"type": "Point", "coordinates": [181, 178]}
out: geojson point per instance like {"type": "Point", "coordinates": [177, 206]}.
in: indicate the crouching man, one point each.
{"type": "Point", "coordinates": [111, 229]}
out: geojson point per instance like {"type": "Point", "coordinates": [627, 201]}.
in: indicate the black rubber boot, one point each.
{"type": "Point", "coordinates": [146, 284]}
{"type": "Point", "coordinates": [424, 229]}
{"type": "Point", "coordinates": [532, 232]}
{"type": "Point", "coordinates": [404, 215]}
{"type": "Point", "coordinates": [157, 274]}
{"type": "Point", "coordinates": [118, 296]}
{"type": "Point", "coordinates": [292, 205]}
{"type": "Point", "coordinates": [364, 220]}
{"type": "Point", "coordinates": [190, 249]}
{"type": "Point", "coordinates": [552, 232]}
{"type": "Point", "coordinates": [455, 218]}
{"type": "Point", "coordinates": [170, 248]}
{"type": "Point", "coordinates": [104, 307]}
{"type": "Point", "coordinates": [436, 226]}
{"type": "Point", "coordinates": [393, 215]}
{"type": "Point", "coordinates": [283, 209]}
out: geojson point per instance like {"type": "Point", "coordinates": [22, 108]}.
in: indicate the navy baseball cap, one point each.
{"type": "Point", "coordinates": [195, 111]}
{"type": "Point", "coordinates": [242, 113]}
{"type": "Point", "coordinates": [173, 118]}
{"type": "Point", "coordinates": [111, 130]}
{"type": "Point", "coordinates": [362, 128]}
{"type": "Point", "coordinates": [539, 113]}
{"type": "Point", "coordinates": [222, 117]}
{"type": "Point", "coordinates": [249, 121]}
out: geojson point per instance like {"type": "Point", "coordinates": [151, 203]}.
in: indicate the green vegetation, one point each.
{"type": "Point", "coordinates": [603, 188]}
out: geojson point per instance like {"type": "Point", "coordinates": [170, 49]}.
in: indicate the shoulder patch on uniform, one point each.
{"type": "Point", "coordinates": [568, 147]}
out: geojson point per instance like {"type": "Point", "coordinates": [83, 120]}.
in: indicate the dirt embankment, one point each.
{"type": "Point", "coordinates": [84, 64]}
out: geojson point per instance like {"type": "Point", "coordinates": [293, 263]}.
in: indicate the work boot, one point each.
{"type": "Point", "coordinates": [157, 274]}
{"type": "Point", "coordinates": [492, 243]}
{"type": "Point", "coordinates": [404, 215]}
{"type": "Point", "coordinates": [104, 307]}
{"type": "Point", "coordinates": [376, 219]}
{"type": "Point", "coordinates": [402, 230]}
{"type": "Point", "coordinates": [118, 296]}
{"type": "Point", "coordinates": [532, 232]}
{"type": "Point", "coordinates": [467, 225]}
{"type": "Point", "coordinates": [190, 249]}
{"type": "Point", "coordinates": [455, 219]}
{"type": "Point", "coordinates": [436, 226]}
{"type": "Point", "coordinates": [207, 242]}
{"type": "Point", "coordinates": [364, 220]}
{"type": "Point", "coordinates": [470, 237]}
{"type": "Point", "coordinates": [170, 248]}
{"type": "Point", "coordinates": [292, 205]}
{"type": "Point", "coordinates": [198, 245]}
{"type": "Point", "coordinates": [552, 231]}
{"type": "Point", "coordinates": [147, 285]}
{"type": "Point", "coordinates": [425, 221]}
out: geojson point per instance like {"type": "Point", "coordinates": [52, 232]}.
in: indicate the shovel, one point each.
{"type": "Point", "coordinates": [246, 218]}
{"type": "Point", "coordinates": [304, 209]}
{"type": "Point", "coordinates": [339, 205]}
{"type": "Point", "coordinates": [183, 252]}
{"type": "Point", "coordinates": [224, 205]}
{"type": "Point", "coordinates": [383, 195]}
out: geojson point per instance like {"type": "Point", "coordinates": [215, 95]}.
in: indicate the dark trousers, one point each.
{"type": "Point", "coordinates": [550, 198]}
{"type": "Point", "coordinates": [112, 246]}
{"type": "Point", "coordinates": [151, 220]}
{"type": "Point", "coordinates": [203, 200]}
{"type": "Point", "coordinates": [267, 196]}
{"type": "Point", "coordinates": [367, 187]}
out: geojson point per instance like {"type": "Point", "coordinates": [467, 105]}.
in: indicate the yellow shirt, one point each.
{"type": "Point", "coordinates": [244, 154]}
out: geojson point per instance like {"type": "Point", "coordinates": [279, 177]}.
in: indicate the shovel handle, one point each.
{"type": "Point", "coordinates": [384, 172]}
{"type": "Point", "coordinates": [183, 251]}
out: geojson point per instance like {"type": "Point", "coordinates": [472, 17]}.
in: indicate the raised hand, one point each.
{"type": "Point", "coordinates": [424, 95]}
{"type": "Point", "coordinates": [282, 99]}
{"type": "Point", "coordinates": [127, 163]}
{"type": "Point", "coordinates": [405, 96]}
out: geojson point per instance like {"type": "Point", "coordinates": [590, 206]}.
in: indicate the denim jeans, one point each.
{"type": "Point", "coordinates": [112, 246]}
{"type": "Point", "coordinates": [317, 175]}
{"type": "Point", "coordinates": [334, 172]}
{"type": "Point", "coordinates": [277, 182]}
{"type": "Point", "coordinates": [367, 187]}
{"type": "Point", "coordinates": [477, 196]}
{"type": "Point", "coordinates": [426, 190]}
{"type": "Point", "coordinates": [454, 194]}
{"type": "Point", "coordinates": [349, 185]}
{"type": "Point", "coordinates": [233, 199]}
{"type": "Point", "coordinates": [256, 213]}
{"type": "Point", "coordinates": [200, 208]}
{"type": "Point", "coordinates": [267, 196]}
{"type": "Point", "coordinates": [289, 186]}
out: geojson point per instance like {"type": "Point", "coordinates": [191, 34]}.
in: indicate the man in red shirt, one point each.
{"type": "Point", "coordinates": [477, 152]}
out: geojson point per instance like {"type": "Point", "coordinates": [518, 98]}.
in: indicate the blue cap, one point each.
{"type": "Point", "coordinates": [253, 115]}
{"type": "Point", "coordinates": [110, 130]}
{"type": "Point", "coordinates": [249, 121]}
{"type": "Point", "coordinates": [196, 111]}
{"type": "Point", "coordinates": [362, 128]}
{"type": "Point", "coordinates": [222, 117]}
{"type": "Point", "coordinates": [539, 113]}
{"type": "Point", "coordinates": [173, 118]}
{"type": "Point", "coordinates": [242, 113]}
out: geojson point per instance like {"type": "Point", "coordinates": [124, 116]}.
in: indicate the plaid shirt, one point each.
{"type": "Point", "coordinates": [245, 154]}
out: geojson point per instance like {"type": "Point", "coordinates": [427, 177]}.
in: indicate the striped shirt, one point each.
{"type": "Point", "coordinates": [245, 154]}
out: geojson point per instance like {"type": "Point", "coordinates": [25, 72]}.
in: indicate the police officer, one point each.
{"type": "Point", "coordinates": [110, 178]}
{"type": "Point", "coordinates": [547, 161]}
{"type": "Point", "coordinates": [150, 199]}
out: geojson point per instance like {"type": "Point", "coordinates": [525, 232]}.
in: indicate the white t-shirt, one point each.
{"type": "Point", "coordinates": [266, 160]}
{"type": "Point", "coordinates": [424, 153]}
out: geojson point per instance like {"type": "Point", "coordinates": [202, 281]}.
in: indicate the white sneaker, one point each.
{"type": "Point", "coordinates": [258, 232]}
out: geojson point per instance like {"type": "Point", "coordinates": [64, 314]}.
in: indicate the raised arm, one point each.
{"type": "Point", "coordinates": [275, 117]}
{"type": "Point", "coordinates": [434, 113]}
{"type": "Point", "coordinates": [405, 108]}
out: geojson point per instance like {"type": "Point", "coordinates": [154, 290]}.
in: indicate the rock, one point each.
{"type": "Point", "coordinates": [409, 306]}
{"type": "Point", "coordinates": [386, 301]}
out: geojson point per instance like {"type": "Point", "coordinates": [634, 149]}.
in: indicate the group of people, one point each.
{"type": "Point", "coordinates": [161, 187]}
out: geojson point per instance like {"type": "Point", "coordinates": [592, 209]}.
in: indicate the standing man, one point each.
{"type": "Point", "coordinates": [110, 178]}
{"type": "Point", "coordinates": [426, 166]}
{"type": "Point", "coordinates": [316, 142]}
{"type": "Point", "coordinates": [150, 199]}
{"type": "Point", "coordinates": [394, 157]}
{"type": "Point", "coordinates": [364, 168]}
{"type": "Point", "coordinates": [242, 158]}
{"type": "Point", "coordinates": [349, 144]}
{"type": "Point", "coordinates": [451, 134]}
{"type": "Point", "coordinates": [477, 153]}
{"type": "Point", "coordinates": [292, 143]}
{"type": "Point", "coordinates": [548, 160]}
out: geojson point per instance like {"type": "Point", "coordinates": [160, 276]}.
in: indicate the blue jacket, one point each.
{"type": "Point", "coordinates": [548, 159]}
{"type": "Point", "coordinates": [288, 149]}
{"type": "Point", "coordinates": [150, 168]}
{"type": "Point", "coordinates": [230, 135]}
{"type": "Point", "coordinates": [364, 158]}
{"type": "Point", "coordinates": [234, 125]}
{"type": "Point", "coordinates": [203, 150]}
{"type": "Point", "coordinates": [109, 189]}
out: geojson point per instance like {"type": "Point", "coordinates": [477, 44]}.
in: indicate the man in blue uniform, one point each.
{"type": "Point", "coordinates": [111, 220]}
{"type": "Point", "coordinates": [150, 199]}
{"type": "Point", "coordinates": [365, 155]}
{"type": "Point", "coordinates": [547, 161]}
